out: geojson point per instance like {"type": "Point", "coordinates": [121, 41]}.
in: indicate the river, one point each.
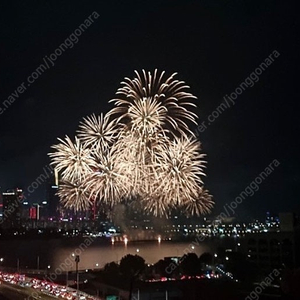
{"type": "Point", "coordinates": [94, 253]}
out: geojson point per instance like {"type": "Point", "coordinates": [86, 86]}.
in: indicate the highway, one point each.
{"type": "Point", "coordinates": [18, 286]}
{"type": "Point", "coordinates": [14, 292]}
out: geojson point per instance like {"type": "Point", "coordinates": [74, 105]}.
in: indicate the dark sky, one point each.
{"type": "Point", "coordinates": [213, 45]}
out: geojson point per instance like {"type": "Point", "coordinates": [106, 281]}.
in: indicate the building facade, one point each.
{"type": "Point", "coordinates": [12, 208]}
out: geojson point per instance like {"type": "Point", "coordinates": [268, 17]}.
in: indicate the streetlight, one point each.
{"type": "Point", "coordinates": [67, 278]}
{"type": "Point", "coordinates": [137, 250]}
{"type": "Point", "coordinates": [214, 259]}
{"type": "Point", "coordinates": [77, 260]}
{"type": "Point", "coordinates": [133, 278]}
{"type": "Point", "coordinates": [47, 270]}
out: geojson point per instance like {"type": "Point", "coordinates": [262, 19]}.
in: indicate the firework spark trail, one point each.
{"type": "Point", "coordinates": [74, 196]}
{"type": "Point", "coordinates": [181, 166]}
{"type": "Point", "coordinates": [74, 160]}
{"type": "Point", "coordinates": [107, 182]}
{"type": "Point", "coordinates": [167, 96]}
{"type": "Point", "coordinates": [98, 131]}
{"type": "Point", "coordinates": [142, 149]}
{"type": "Point", "coordinates": [201, 205]}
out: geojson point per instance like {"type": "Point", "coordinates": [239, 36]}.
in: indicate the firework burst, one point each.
{"type": "Point", "coordinates": [151, 102]}
{"type": "Point", "coordinates": [180, 167]}
{"type": "Point", "coordinates": [143, 149]}
{"type": "Point", "coordinates": [202, 204]}
{"type": "Point", "coordinates": [98, 131]}
{"type": "Point", "coordinates": [73, 160]}
{"type": "Point", "coordinates": [107, 182]}
{"type": "Point", "coordinates": [74, 196]}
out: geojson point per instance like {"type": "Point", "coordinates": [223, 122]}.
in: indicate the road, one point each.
{"type": "Point", "coordinates": [15, 292]}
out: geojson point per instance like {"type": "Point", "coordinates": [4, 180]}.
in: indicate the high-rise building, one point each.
{"type": "Point", "coordinates": [33, 213]}
{"type": "Point", "coordinates": [1, 206]}
{"type": "Point", "coordinates": [51, 196]}
{"type": "Point", "coordinates": [287, 222]}
{"type": "Point", "coordinates": [25, 211]}
{"type": "Point", "coordinates": [273, 249]}
{"type": "Point", "coordinates": [43, 210]}
{"type": "Point", "coordinates": [12, 207]}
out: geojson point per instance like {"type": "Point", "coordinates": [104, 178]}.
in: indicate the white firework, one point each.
{"type": "Point", "coordinates": [73, 196]}
{"type": "Point", "coordinates": [142, 149]}
{"type": "Point", "coordinates": [181, 168]}
{"type": "Point", "coordinates": [149, 102]}
{"type": "Point", "coordinates": [107, 183]}
{"type": "Point", "coordinates": [98, 132]}
{"type": "Point", "coordinates": [73, 160]}
{"type": "Point", "coordinates": [200, 205]}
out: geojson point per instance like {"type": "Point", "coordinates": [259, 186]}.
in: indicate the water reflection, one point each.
{"type": "Point", "coordinates": [150, 251]}
{"type": "Point", "coordinates": [96, 255]}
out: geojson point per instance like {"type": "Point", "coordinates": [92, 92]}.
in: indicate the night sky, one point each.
{"type": "Point", "coordinates": [213, 45]}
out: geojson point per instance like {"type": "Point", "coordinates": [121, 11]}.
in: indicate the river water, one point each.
{"type": "Point", "coordinates": [94, 253]}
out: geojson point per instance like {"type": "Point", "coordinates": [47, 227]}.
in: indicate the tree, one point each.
{"type": "Point", "coordinates": [190, 264]}
{"type": "Point", "coordinates": [132, 265]}
{"type": "Point", "coordinates": [111, 273]}
{"type": "Point", "coordinates": [206, 258]}
{"type": "Point", "coordinates": [161, 268]}
{"type": "Point", "coordinates": [111, 268]}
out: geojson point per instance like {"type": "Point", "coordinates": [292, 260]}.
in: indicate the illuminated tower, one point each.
{"type": "Point", "coordinates": [51, 198]}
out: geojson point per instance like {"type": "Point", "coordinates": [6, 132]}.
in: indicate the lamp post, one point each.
{"type": "Point", "coordinates": [133, 278]}
{"type": "Point", "coordinates": [67, 278]}
{"type": "Point", "coordinates": [214, 259]}
{"type": "Point", "coordinates": [38, 262]}
{"type": "Point", "coordinates": [77, 260]}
